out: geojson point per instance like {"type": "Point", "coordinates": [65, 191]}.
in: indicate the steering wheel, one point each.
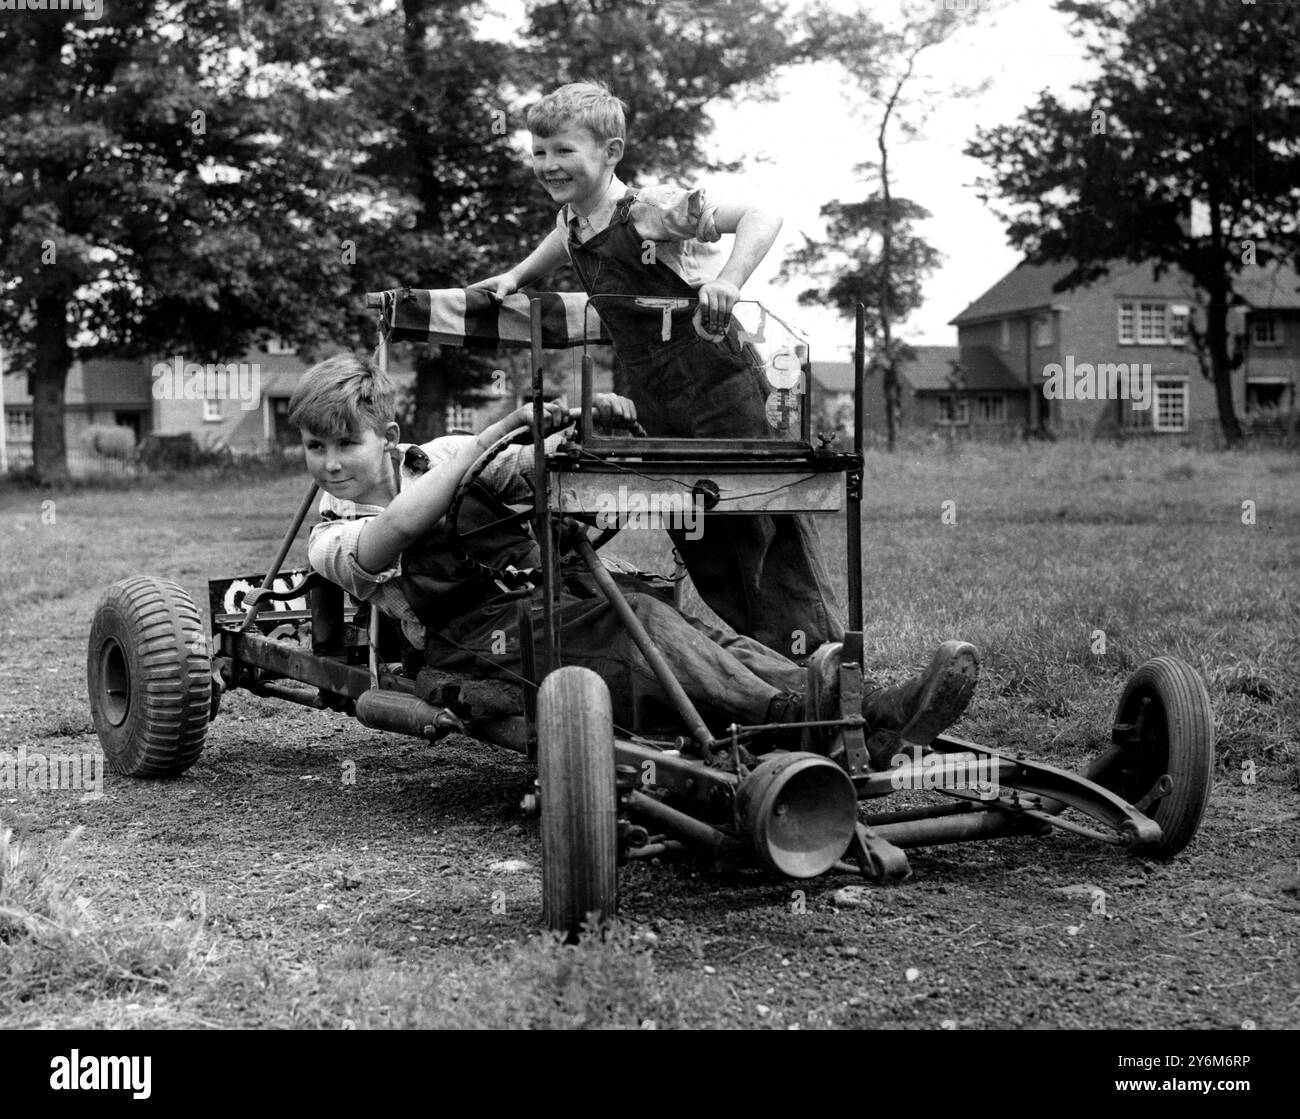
{"type": "Point", "coordinates": [508, 578]}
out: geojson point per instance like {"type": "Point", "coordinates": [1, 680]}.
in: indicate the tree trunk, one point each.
{"type": "Point", "coordinates": [48, 381]}
{"type": "Point", "coordinates": [432, 395]}
{"type": "Point", "coordinates": [1216, 336]}
{"type": "Point", "coordinates": [890, 385]}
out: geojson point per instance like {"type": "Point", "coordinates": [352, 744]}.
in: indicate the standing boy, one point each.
{"type": "Point", "coordinates": [762, 574]}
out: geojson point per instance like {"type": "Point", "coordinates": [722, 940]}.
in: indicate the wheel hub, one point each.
{"type": "Point", "coordinates": [115, 682]}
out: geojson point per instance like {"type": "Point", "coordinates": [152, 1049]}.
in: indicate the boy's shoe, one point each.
{"type": "Point", "coordinates": [787, 708]}
{"type": "Point", "coordinates": [822, 698]}
{"type": "Point", "coordinates": [919, 710]}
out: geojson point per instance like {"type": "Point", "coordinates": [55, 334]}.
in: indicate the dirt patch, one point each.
{"type": "Point", "coordinates": [314, 873]}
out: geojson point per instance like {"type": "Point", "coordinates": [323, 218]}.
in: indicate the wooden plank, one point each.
{"type": "Point", "coordinates": [668, 496]}
{"type": "Point", "coordinates": [704, 447]}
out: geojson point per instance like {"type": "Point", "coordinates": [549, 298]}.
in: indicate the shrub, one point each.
{"type": "Point", "coordinates": [109, 441]}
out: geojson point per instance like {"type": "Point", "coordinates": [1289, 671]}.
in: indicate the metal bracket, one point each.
{"type": "Point", "coordinates": [856, 758]}
{"type": "Point", "coordinates": [1158, 791]}
{"type": "Point", "coordinates": [853, 484]}
{"type": "Point", "coordinates": [668, 305]}
{"type": "Point", "coordinates": [877, 858]}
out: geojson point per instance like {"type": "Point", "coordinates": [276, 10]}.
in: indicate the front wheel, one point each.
{"type": "Point", "coordinates": [575, 761]}
{"type": "Point", "coordinates": [1163, 726]}
{"type": "Point", "coordinates": [149, 677]}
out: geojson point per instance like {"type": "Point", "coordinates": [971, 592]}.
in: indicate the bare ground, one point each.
{"type": "Point", "coordinates": [332, 876]}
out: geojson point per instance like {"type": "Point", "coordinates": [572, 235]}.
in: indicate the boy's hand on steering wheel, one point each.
{"type": "Point", "coordinates": [555, 417]}
{"type": "Point", "coordinates": [612, 410]}
{"type": "Point", "coordinates": [717, 299]}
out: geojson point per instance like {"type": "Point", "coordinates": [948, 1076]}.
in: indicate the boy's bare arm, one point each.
{"type": "Point", "coordinates": [421, 505]}
{"type": "Point", "coordinates": [542, 261]}
{"type": "Point", "coordinates": [756, 231]}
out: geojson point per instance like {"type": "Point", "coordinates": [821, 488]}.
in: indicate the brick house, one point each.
{"type": "Point", "coordinates": [932, 383]}
{"type": "Point", "coordinates": [1020, 333]}
{"type": "Point", "coordinates": [249, 413]}
{"type": "Point", "coordinates": [114, 393]}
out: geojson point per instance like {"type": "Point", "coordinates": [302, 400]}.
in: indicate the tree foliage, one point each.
{"type": "Point", "coordinates": [872, 253]}
{"type": "Point", "coordinates": [163, 188]}
{"type": "Point", "coordinates": [1195, 102]}
{"type": "Point", "coordinates": [189, 176]}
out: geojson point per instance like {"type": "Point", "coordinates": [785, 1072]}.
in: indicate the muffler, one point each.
{"type": "Point", "coordinates": [403, 713]}
{"type": "Point", "coordinates": [798, 813]}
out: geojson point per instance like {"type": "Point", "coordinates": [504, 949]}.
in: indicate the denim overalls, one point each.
{"type": "Point", "coordinates": [762, 574]}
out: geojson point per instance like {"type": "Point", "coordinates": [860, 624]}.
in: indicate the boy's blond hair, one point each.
{"type": "Point", "coordinates": [343, 393]}
{"type": "Point", "coordinates": [589, 105]}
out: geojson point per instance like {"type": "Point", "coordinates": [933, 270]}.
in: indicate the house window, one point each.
{"type": "Point", "coordinates": [1170, 409]}
{"type": "Point", "coordinates": [278, 345]}
{"type": "Point", "coordinates": [133, 420]}
{"type": "Point", "coordinates": [1043, 330]}
{"type": "Point", "coordinates": [1264, 330]}
{"type": "Point", "coordinates": [1266, 396]}
{"type": "Point", "coordinates": [18, 424]}
{"type": "Point", "coordinates": [1179, 318]}
{"type": "Point", "coordinates": [991, 409]}
{"type": "Point", "coordinates": [1126, 332]}
{"type": "Point", "coordinates": [1005, 339]}
{"type": "Point", "coordinates": [460, 418]}
{"type": "Point", "coordinates": [211, 409]}
{"type": "Point", "coordinates": [1152, 324]}
{"type": "Point", "coordinates": [954, 409]}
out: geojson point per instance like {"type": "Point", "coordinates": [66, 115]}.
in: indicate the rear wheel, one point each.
{"type": "Point", "coordinates": [575, 761]}
{"type": "Point", "coordinates": [149, 677]}
{"type": "Point", "coordinates": [1163, 726]}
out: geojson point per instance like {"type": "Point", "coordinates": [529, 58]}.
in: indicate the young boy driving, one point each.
{"type": "Point", "coordinates": [387, 543]}
{"type": "Point", "coordinates": [763, 574]}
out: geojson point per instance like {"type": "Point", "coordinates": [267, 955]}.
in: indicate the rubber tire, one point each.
{"type": "Point", "coordinates": [150, 678]}
{"type": "Point", "coordinates": [575, 761]}
{"type": "Point", "coordinates": [1177, 739]}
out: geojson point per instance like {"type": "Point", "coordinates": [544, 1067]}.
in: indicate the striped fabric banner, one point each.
{"type": "Point", "coordinates": [472, 318]}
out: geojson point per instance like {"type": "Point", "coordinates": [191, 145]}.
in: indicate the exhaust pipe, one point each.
{"type": "Point", "coordinates": [798, 812]}
{"type": "Point", "coordinates": [403, 713]}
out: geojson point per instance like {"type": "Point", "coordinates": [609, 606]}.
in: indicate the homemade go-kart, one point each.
{"type": "Point", "coordinates": [608, 794]}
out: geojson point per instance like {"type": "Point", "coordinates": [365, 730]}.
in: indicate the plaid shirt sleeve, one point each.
{"type": "Point", "coordinates": [332, 550]}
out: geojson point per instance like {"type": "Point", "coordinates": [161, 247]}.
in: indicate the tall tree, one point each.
{"type": "Point", "coordinates": [852, 264]}
{"type": "Point", "coordinates": [872, 253]}
{"type": "Point", "coordinates": [441, 143]}
{"type": "Point", "coordinates": [1195, 102]}
{"type": "Point", "coordinates": [162, 188]}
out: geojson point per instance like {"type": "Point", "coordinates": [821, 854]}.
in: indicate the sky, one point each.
{"type": "Point", "coordinates": [803, 149]}
{"type": "Point", "coordinates": [800, 151]}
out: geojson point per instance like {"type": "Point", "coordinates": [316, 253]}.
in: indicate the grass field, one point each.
{"type": "Point", "coordinates": [1068, 564]}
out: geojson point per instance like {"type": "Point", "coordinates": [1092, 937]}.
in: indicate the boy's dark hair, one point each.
{"type": "Point", "coordinates": [588, 104]}
{"type": "Point", "coordinates": [343, 393]}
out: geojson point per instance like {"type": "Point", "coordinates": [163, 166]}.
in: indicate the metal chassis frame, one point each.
{"type": "Point", "coordinates": [1038, 793]}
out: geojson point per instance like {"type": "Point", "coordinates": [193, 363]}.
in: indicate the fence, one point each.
{"type": "Point", "coordinates": [81, 463]}
{"type": "Point", "coordinates": [84, 464]}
